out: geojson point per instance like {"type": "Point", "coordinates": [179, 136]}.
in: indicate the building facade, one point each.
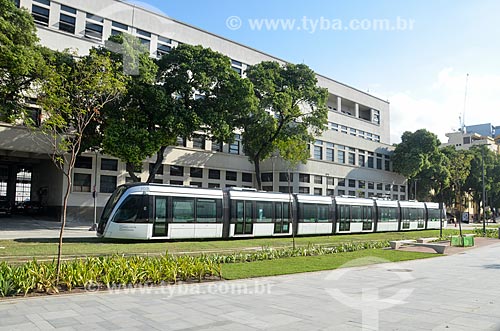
{"type": "Point", "coordinates": [352, 157]}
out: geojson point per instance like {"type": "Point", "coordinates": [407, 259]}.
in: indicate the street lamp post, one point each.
{"type": "Point", "coordinates": [483, 193]}
{"type": "Point", "coordinates": [94, 192]}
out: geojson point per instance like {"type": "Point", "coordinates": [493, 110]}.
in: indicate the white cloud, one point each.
{"type": "Point", "coordinates": [440, 109]}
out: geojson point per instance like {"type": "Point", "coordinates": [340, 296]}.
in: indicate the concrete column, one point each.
{"type": "Point", "coordinates": [356, 110]}
{"type": "Point", "coordinates": [339, 104]}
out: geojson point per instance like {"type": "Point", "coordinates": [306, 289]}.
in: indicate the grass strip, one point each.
{"type": "Point", "coordinates": [317, 263]}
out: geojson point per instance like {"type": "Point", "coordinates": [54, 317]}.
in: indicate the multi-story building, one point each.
{"type": "Point", "coordinates": [485, 129]}
{"type": "Point", "coordinates": [352, 157]}
{"type": "Point", "coordinates": [465, 140]}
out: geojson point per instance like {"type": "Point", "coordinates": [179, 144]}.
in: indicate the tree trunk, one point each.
{"type": "Point", "coordinates": [63, 223]}
{"type": "Point", "coordinates": [159, 162]}
{"type": "Point", "coordinates": [256, 163]}
{"type": "Point", "coordinates": [130, 169]}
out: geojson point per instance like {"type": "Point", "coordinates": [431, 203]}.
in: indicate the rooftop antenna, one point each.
{"type": "Point", "coordinates": [465, 104]}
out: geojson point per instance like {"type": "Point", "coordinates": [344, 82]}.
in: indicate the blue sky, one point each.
{"type": "Point", "coordinates": [420, 71]}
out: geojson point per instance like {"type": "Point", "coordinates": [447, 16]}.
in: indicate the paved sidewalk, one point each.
{"type": "Point", "coordinates": [458, 292]}
{"type": "Point", "coordinates": [26, 227]}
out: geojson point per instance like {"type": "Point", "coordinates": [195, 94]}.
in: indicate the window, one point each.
{"type": "Point", "coordinates": [379, 163]}
{"type": "Point", "coordinates": [361, 159]}
{"type": "Point", "coordinates": [341, 192]}
{"type": "Point", "coordinates": [341, 182]}
{"type": "Point", "coordinates": [402, 189]}
{"type": "Point", "coordinates": [216, 146]}
{"type": "Point", "coordinates": [234, 148]}
{"type": "Point", "coordinates": [196, 172]}
{"type": "Point", "coordinates": [41, 14]}
{"type": "Point", "coordinates": [162, 49]}
{"type": "Point", "coordinates": [352, 158]}
{"type": "Point", "coordinates": [206, 210]}
{"type": "Point", "coordinates": [199, 142]}
{"type": "Point", "coordinates": [67, 22]}
{"type": "Point", "coordinates": [17, 3]}
{"type": "Point", "coordinates": [231, 175]}
{"type": "Point", "coordinates": [213, 185]}
{"type": "Point", "coordinates": [160, 169]}
{"type": "Point", "coordinates": [352, 132]}
{"type": "Point", "coordinates": [247, 177]}
{"type": "Point", "coordinates": [318, 179]}
{"type": "Point", "coordinates": [387, 164]}
{"type": "Point", "coordinates": [361, 184]}
{"type": "Point", "coordinates": [304, 190]}
{"type": "Point", "coordinates": [352, 183]}
{"type": "Point", "coordinates": [83, 162]}
{"type": "Point", "coordinates": [120, 26]}
{"type": "Point", "coordinates": [312, 213]}
{"type": "Point", "coordinates": [133, 210]}
{"type": "Point", "coordinates": [267, 188]}
{"type": "Point", "coordinates": [81, 182]}
{"type": "Point", "coordinates": [376, 116]}
{"type": "Point", "coordinates": [213, 174]}
{"type": "Point", "coordinates": [370, 161]}
{"type": "Point", "coordinates": [264, 211]}
{"type": "Point", "coordinates": [318, 191]}
{"type": "Point", "coordinates": [284, 177]}
{"type": "Point", "coordinates": [304, 178]}
{"type": "Point", "coordinates": [329, 152]}
{"type": "Point", "coordinates": [380, 186]}
{"type": "Point", "coordinates": [267, 176]}
{"type": "Point", "coordinates": [181, 141]}
{"type": "Point", "coordinates": [388, 187]}
{"type": "Point", "coordinates": [371, 185]}
{"type": "Point", "coordinates": [177, 182]}
{"type": "Point", "coordinates": [94, 27]}
{"type": "Point", "coordinates": [182, 210]}
{"type": "Point", "coordinates": [108, 184]}
{"type": "Point", "coordinates": [195, 184]}
{"type": "Point", "coordinates": [285, 189]}
{"type": "Point", "coordinates": [176, 170]}
{"type": "Point", "coordinates": [340, 156]}
{"type": "Point", "coordinates": [318, 153]}
{"type": "Point", "coordinates": [109, 164]}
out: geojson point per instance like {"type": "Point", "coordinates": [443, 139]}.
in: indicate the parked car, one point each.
{"type": "Point", "coordinates": [5, 207]}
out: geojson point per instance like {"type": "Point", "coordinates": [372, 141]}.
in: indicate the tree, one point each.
{"type": "Point", "coordinates": [290, 113]}
{"type": "Point", "coordinates": [418, 154]}
{"type": "Point", "coordinates": [22, 65]}
{"type": "Point", "coordinates": [195, 91]}
{"type": "Point", "coordinates": [71, 98]}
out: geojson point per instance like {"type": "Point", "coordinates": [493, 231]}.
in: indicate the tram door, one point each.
{"type": "Point", "coordinates": [282, 218]}
{"type": "Point", "coordinates": [244, 217]}
{"type": "Point", "coordinates": [160, 226]}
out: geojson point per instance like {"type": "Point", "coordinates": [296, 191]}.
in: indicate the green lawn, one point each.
{"type": "Point", "coordinates": [317, 263]}
{"type": "Point", "coordinates": [46, 249]}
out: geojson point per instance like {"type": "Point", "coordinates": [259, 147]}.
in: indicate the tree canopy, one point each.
{"type": "Point", "coordinates": [291, 111]}
{"type": "Point", "coordinates": [191, 90]}
{"type": "Point", "coordinates": [22, 64]}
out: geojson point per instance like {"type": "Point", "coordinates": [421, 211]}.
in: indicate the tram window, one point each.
{"type": "Point", "coordinates": [356, 213]}
{"type": "Point", "coordinates": [434, 215]}
{"type": "Point", "coordinates": [133, 210]}
{"type": "Point", "coordinates": [264, 211]}
{"type": "Point", "coordinates": [206, 210]}
{"type": "Point", "coordinates": [309, 213]}
{"type": "Point", "coordinates": [344, 213]}
{"type": "Point", "coordinates": [322, 213]}
{"type": "Point", "coordinates": [161, 209]}
{"type": "Point", "coordinates": [387, 214]}
{"type": "Point", "coordinates": [278, 211]}
{"type": "Point", "coordinates": [239, 211]}
{"type": "Point", "coordinates": [183, 210]}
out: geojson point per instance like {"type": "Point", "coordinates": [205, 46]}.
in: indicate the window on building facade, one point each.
{"type": "Point", "coordinates": [267, 176]}
{"type": "Point", "coordinates": [108, 184]}
{"type": "Point", "coordinates": [195, 184]}
{"type": "Point", "coordinates": [318, 179]}
{"type": "Point", "coordinates": [41, 13]}
{"type": "Point", "coordinates": [214, 174]}
{"type": "Point", "coordinates": [341, 182]}
{"type": "Point", "coordinates": [94, 27]}
{"type": "Point", "coordinates": [81, 182]}
{"type": "Point", "coordinates": [361, 184]}
{"type": "Point", "coordinates": [284, 177]}
{"type": "Point", "coordinates": [234, 147]}
{"type": "Point", "coordinates": [304, 178]}
{"type": "Point", "coordinates": [380, 186]}
{"type": "Point", "coordinates": [176, 170]}
{"type": "Point", "coordinates": [83, 162]}
{"type": "Point", "coordinates": [318, 191]}
{"type": "Point", "coordinates": [160, 169]}
{"type": "Point", "coordinates": [216, 146]}
{"type": "Point", "coordinates": [196, 172]}
{"type": "Point", "coordinates": [304, 190]}
{"type": "Point", "coordinates": [247, 177]}
{"type": "Point", "coordinates": [329, 152]}
{"type": "Point", "coordinates": [213, 185]}
{"type": "Point", "coordinates": [318, 152]}
{"type": "Point", "coordinates": [181, 141]}
{"type": "Point", "coordinates": [109, 164]}
{"type": "Point", "coordinates": [352, 183]}
{"type": "Point", "coordinates": [67, 19]}
{"type": "Point", "coordinates": [199, 142]}
{"type": "Point", "coordinates": [176, 182]}
{"type": "Point", "coordinates": [232, 176]}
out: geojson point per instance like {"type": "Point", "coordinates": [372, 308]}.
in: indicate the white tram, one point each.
{"type": "Point", "coordinates": [153, 211]}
